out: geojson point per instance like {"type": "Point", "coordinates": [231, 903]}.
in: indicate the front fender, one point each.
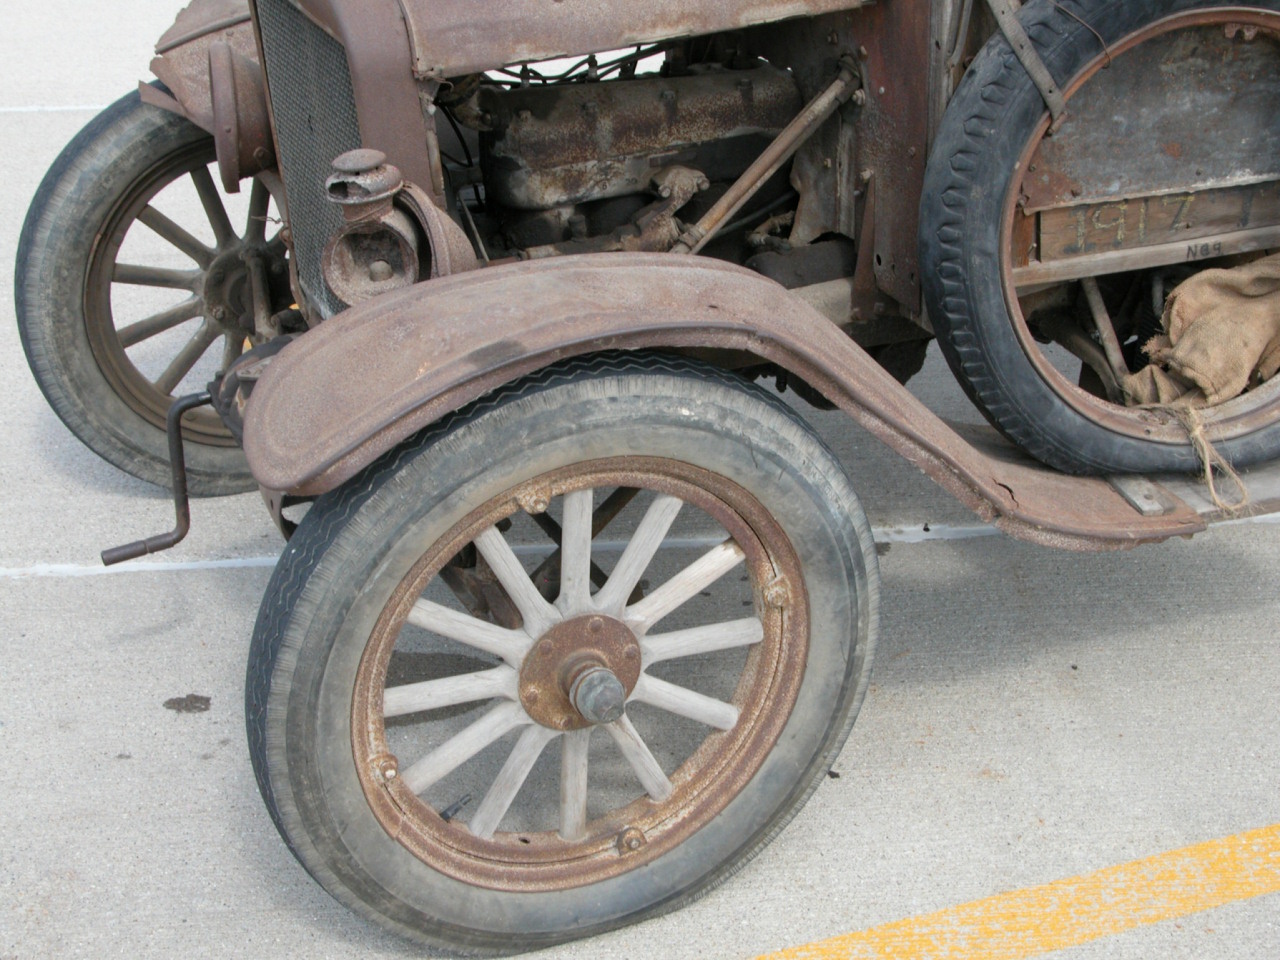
{"type": "Point", "coordinates": [366, 380]}
{"type": "Point", "coordinates": [182, 56]}
{"type": "Point", "coordinates": [208, 61]}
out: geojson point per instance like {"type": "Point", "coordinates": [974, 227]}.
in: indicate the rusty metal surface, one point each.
{"type": "Point", "coordinates": [547, 671]}
{"type": "Point", "coordinates": [815, 113]}
{"type": "Point", "coordinates": [704, 783]}
{"type": "Point", "coordinates": [200, 18]}
{"type": "Point", "coordinates": [565, 144]}
{"type": "Point", "coordinates": [370, 378]}
{"type": "Point", "coordinates": [824, 170]}
{"type": "Point", "coordinates": [184, 68]}
{"type": "Point", "coordinates": [1228, 52]}
{"type": "Point", "coordinates": [379, 248]}
{"type": "Point", "coordinates": [1193, 109]}
{"type": "Point", "coordinates": [451, 251]}
{"type": "Point", "coordinates": [654, 228]}
{"type": "Point", "coordinates": [893, 137]}
{"type": "Point", "coordinates": [242, 134]}
{"type": "Point", "coordinates": [455, 37]}
{"type": "Point", "coordinates": [386, 94]}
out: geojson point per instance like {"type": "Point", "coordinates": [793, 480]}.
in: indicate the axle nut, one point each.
{"type": "Point", "coordinates": [598, 695]}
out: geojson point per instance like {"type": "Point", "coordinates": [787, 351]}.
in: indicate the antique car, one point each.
{"type": "Point", "coordinates": [494, 304]}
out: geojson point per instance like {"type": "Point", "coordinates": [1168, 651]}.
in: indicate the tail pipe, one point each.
{"type": "Point", "coordinates": [181, 503]}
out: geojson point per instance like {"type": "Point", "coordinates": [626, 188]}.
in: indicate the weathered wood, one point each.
{"type": "Point", "coordinates": [461, 747]}
{"type": "Point", "coordinates": [573, 783]}
{"type": "Point", "coordinates": [705, 639]}
{"type": "Point", "coordinates": [1141, 258]}
{"type": "Point", "coordinates": [685, 703]}
{"type": "Point", "coordinates": [449, 691]}
{"type": "Point", "coordinates": [497, 801]}
{"type": "Point", "coordinates": [1129, 224]}
{"type": "Point", "coordinates": [685, 585]}
{"type": "Point", "coordinates": [639, 553]}
{"type": "Point", "coordinates": [510, 645]}
{"type": "Point", "coordinates": [643, 764]}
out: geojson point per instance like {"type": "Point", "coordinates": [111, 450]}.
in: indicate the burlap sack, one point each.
{"type": "Point", "coordinates": [1223, 335]}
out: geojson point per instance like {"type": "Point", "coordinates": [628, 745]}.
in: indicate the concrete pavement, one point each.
{"type": "Point", "coordinates": [1034, 715]}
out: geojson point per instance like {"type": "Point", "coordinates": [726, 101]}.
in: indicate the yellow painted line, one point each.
{"type": "Point", "coordinates": [1027, 923]}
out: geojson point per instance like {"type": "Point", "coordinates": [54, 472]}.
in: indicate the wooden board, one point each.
{"type": "Point", "coordinates": [1154, 221]}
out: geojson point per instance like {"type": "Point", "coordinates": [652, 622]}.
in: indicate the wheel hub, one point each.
{"type": "Point", "coordinates": [580, 673]}
{"type": "Point", "coordinates": [225, 290]}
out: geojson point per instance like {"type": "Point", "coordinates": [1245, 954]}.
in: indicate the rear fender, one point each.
{"type": "Point", "coordinates": [371, 377]}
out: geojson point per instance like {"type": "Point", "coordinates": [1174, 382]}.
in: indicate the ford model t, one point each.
{"type": "Point", "coordinates": [578, 611]}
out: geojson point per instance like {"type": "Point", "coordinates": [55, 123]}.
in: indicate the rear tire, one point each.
{"type": "Point", "coordinates": [972, 189]}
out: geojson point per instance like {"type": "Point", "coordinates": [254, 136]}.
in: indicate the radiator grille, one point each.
{"type": "Point", "coordinates": [315, 115]}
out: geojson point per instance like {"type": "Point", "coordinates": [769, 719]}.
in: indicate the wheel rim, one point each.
{"type": "Point", "coordinates": [213, 318]}
{"type": "Point", "coordinates": [1234, 418]}
{"type": "Point", "coordinates": [609, 805]}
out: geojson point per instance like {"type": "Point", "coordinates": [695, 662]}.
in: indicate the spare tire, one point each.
{"type": "Point", "coordinates": [1167, 100]}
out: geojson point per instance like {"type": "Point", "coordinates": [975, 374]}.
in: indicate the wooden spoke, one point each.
{"type": "Point", "coordinates": [538, 615]}
{"type": "Point", "coordinates": [158, 323]}
{"type": "Point", "coordinates": [685, 703]}
{"type": "Point", "coordinates": [460, 748]}
{"type": "Point", "coordinates": [232, 348]}
{"type": "Point", "coordinates": [214, 209]}
{"type": "Point", "coordinates": [686, 584]}
{"type": "Point", "coordinates": [140, 276]}
{"type": "Point", "coordinates": [187, 358]}
{"type": "Point", "coordinates": [255, 230]}
{"type": "Point", "coordinates": [643, 763]}
{"type": "Point", "coordinates": [575, 547]}
{"type": "Point", "coordinates": [449, 691]}
{"type": "Point", "coordinates": [177, 236]}
{"type": "Point", "coordinates": [510, 645]}
{"type": "Point", "coordinates": [708, 639]}
{"type": "Point", "coordinates": [510, 779]}
{"type": "Point", "coordinates": [573, 784]}
{"type": "Point", "coordinates": [639, 553]}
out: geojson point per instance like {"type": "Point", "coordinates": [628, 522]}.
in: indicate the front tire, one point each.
{"type": "Point", "coordinates": [443, 788]}
{"type": "Point", "coordinates": [131, 290]}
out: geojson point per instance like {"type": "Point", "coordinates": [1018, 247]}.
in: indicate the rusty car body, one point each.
{"type": "Point", "coordinates": [529, 254]}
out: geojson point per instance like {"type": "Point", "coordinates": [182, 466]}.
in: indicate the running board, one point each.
{"type": "Point", "coordinates": [1158, 495]}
